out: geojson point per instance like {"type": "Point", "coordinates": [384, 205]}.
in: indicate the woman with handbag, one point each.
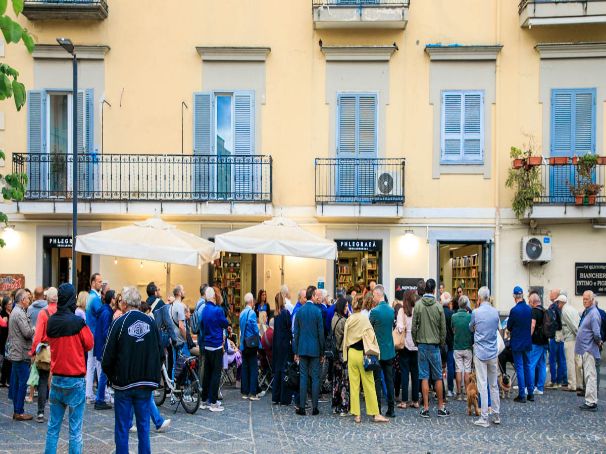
{"type": "Point", "coordinates": [409, 366]}
{"type": "Point", "coordinates": [340, 381]}
{"type": "Point", "coordinates": [250, 342]}
{"type": "Point", "coordinates": [361, 352]}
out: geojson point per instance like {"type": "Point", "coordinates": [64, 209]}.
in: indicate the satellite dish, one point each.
{"type": "Point", "coordinates": [534, 248]}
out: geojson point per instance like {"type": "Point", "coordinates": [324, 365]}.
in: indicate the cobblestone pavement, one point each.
{"type": "Point", "coordinates": [552, 424]}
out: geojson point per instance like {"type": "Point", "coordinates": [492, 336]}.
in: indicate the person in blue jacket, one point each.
{"type": "Point", "coordinates": [248, 328]}
{"type": "Point", "coordinates": [518, 324]}
{"type": "Point", "coordinates": [104, 322]}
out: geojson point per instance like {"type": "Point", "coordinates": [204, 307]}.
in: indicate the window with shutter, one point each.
{"type": "Point", "coordinates": [356, 144]}
{"type": "Point", "coordinates": [36, 140]}
{"type": "Point", "coordinates": [203, 170]}
{"type": "Point", "coordinates": [462, 128]}
{"type": "Point", "coordinates": [572, 134]}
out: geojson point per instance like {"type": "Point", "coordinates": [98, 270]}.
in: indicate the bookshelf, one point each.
{"type": "Point", "coordinates": [466, 274]}
{"type": "Point", "coordinates": [227, 270]}
{"type": "Point", "coordinates": [350, 270]}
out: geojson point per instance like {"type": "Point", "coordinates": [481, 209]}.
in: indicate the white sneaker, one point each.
{"type": "Point", "coordinates": [496, 419]}
{"type": "Point", "coordinates": [204, 405]}
{"type": "Point", "coordinates": [91, 400]}
{"type": "Point", "coordinates": [164, 427]}
{"type": "Point", "coordinates": [244, 396]}
{"type": "Point", "coordinates": [481, 422]}
{"type": "Point", "coordinates": [449, 394]}
{"type": "Point", "coordinates": [215, 408]}
{"type": "Point", "coordinates": [254, 398]}
{"type": "Point", "coordinates": [538, 392]}
{"type": "Point", "coordinates": [133, 429]}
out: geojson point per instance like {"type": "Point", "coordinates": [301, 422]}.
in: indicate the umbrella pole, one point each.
{"type": "Point", "coordinates": [282, 272]}
{"type": "Point", "coordinates": [167, 280]}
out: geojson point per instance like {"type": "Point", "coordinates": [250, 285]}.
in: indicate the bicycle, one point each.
{"type": "Point", "coordinates": [185, 389]}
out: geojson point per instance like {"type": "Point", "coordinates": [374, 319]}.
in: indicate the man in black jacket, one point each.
{"type": "Point", "coordinates": [132, 362]}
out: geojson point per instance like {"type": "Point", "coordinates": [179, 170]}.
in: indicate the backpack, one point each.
{"type": "Point", "coordinates": [194, 320]}
{"type": "Point", "coordinates": [550, 323]}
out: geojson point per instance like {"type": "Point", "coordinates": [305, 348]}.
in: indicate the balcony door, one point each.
{"type": "Point", "coordinates": [356, 146]}
{"type": "Point", "coordinates": [572, 134]}
{"type": "Point", "coordinates": [59, 142]}
{"type": "Point", "coordinates": [223, 145]}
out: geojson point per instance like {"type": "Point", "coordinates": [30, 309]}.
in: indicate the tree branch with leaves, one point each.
{"type": "Point", "coordinates": [13, 185]}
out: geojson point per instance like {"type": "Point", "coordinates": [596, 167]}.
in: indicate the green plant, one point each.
{"type": "Point", "coordinates": [13, 184]}
{"type": "Point", "coordinates": [584, 181]}
{"type": "Point", "coordinates": [526, 181]}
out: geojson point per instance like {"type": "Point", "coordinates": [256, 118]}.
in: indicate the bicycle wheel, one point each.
{"type": "Point", "coordinates": [190, 398]}
{"type": "Point", "coordinates": [160, 393]}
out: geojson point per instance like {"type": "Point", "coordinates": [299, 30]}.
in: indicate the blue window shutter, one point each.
{"type": "Point", "coordinates": [473, 126]}
{"type": "Point", "coordinates": [89, 144]}
{"type": "Point", "coordinates": [451, 127]}
{"type": "Point", "coordinates": [584, 122]}
{"type": "Point", "coordinates": [244, 133]}
{"type": "Point", "coordinates": [561, 122]}
{"type": "Point", "coordinates": [36, 140]}
{"type": "Point", "coordinates": [90, 120]}
{"type": "Point", "coordinates": [203, 169]}
{"type": "Point", "coordinates": [367, 143]}
{"type": "Point", "coordinates": [346, 144]}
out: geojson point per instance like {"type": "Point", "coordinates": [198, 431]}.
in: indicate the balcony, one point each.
{"type": "Point", "coordinates": [65, 9]}
{"type": "Point", "coordinates": [350, 14]}
{"type": "Point", "coordinates": [147, 177]}
{"type": "Point", "coordinates": [558, 200]}
{"type": "Point", "coordinates": [359, 187]}
{"type": "Point", "coordinates": [538, 13]}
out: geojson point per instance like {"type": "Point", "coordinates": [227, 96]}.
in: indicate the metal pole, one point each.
{"type": "Point", "coordinates": [75, 171]}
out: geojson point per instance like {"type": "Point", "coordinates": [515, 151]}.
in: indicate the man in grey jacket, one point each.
{"type": "Point", "coordinates": [589, 341]}
{"type": "Point", "coordinates": [39, 303]}
{"type": "Point", "coordinates": [20, 334]}
{"type": "Point", "coordinates": [570, 327]}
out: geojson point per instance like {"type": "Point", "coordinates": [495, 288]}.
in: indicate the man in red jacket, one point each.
{"type": "Point", "coordinates": [69, 340]}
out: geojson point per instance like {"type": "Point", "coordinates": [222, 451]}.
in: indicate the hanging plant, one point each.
{"type": "Point", "coordinates": [525, 180]}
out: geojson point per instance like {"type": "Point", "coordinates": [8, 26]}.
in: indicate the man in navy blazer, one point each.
{"type": "Point", "coordinates": [518, 324]}
{"type": "Point", "coordinates": [308, 347]}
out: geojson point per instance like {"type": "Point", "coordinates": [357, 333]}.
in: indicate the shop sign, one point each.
{"type": "Point", "coordinates": [360, 245]}
{"type": "Point", "coordinates": [590, 276]}
{"type": "Point", "coordinates": [404, 284]}
{"type": "Point", "coordinates": [10, 282]}
{"type": "Point", "coordinates": [57, 241]}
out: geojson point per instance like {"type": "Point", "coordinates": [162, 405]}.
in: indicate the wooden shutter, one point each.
{"type": "Point", "coordinates": [203, 164]}
{"type": "Point", "coordinates": [367, 144]}
{"type": "Point", "coordinates": [584, 122]}
{"type": "Point", "coordinates": [36, 142]}
{"type": "Point", "coordinates": [473, 127]}
{"type": "Point", "coordinates": [346, 144]}
{"type": "Point", "coordinates": [452, 107]}
{"type": "Point", "coordinates": [244, 116]}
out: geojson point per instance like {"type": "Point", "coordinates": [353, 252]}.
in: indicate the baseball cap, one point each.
{"type": "Point", "coordinates": [561, 299]}
{"type": "Point", "coordinates": [517, 290]}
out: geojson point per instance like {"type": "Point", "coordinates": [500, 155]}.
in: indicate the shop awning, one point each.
{"type": "Point", "coordinates": [279, 236]}
{"type": "Point", "coordinates": [153, 240]}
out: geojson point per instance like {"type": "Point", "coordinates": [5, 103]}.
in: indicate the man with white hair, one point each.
{"type": "Point", "coordinates": [570, 327]}
{"type": "Point", "coordinates": [40, 337]}
{"type": "Point", "coordinates": [485, 324]}
{"type": "Point", "coordinates": [286, 297]}
{"type": "Point", "coordinates": [250, 343]}
{"type": "Point", "coordinates": [132, 362]}
{"type": "Point", "coordinates": [588, 344]}
{"type": "Point", "coordinates": [212, 324]}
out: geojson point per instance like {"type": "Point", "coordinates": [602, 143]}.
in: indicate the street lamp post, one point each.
{"type": "Point", "coordinates": [67, 44]}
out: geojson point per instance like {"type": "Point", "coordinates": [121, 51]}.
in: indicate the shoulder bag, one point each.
{"type": "Point", "coordinates": [399, 337]}
{"type": "Point", "coordinates": [253, 341]}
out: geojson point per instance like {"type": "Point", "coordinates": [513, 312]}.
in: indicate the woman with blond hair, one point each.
{"type": "Point", "coordinates": [359, 340]}
{"type": "Point", "coordinates": [81, 305]}
{"type": "Point", "coordinates": [367, 304]}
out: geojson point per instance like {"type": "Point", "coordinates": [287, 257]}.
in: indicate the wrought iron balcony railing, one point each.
{"type": "Point", "coordinates": [65, 9]}
{"type": "Point", "coordinates": [562, 185]}
{"type": "Point", "coordinates": [359, 181]}
{"type": "Point", "coordinates": [147, 177]}
{"type": "Point", "coordinates": [362, 3]}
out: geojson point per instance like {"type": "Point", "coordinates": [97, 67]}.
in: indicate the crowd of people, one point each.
{"type": "Point", "coordinates": [397, 353]}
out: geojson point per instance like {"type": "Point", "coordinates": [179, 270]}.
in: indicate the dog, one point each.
{"type": "Point", "coordinates": [505, 385]}
{"type": "Point", "coordinates": [472, 395]}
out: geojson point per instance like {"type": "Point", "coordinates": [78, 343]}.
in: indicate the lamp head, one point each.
{"type": "Point", "coordinates": [67, 44]}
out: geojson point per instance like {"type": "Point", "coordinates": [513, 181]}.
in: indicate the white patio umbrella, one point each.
{"type": "Point", "coordinates": [153, 240]}
{"type": "Point", "coordinates": [278, 236]}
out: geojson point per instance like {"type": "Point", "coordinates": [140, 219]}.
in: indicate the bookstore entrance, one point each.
{"type": "Point", "coordinates": [358, 263]}
{"type": "Point", "coordinates": [466, 265]}
{"type": "Point", "coordinates": [57, 263]}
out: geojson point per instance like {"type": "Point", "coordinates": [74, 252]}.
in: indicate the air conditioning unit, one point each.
{"type": "Point", "coordinates": [536, 249]}
{"type": "Point", "coordinates": [387, 184]}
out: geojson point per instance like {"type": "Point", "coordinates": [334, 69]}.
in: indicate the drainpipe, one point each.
{"type": "Point", "coordinates": [497, 167]}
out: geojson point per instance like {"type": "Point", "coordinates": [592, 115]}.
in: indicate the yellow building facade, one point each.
{"type": "Point", "coordinates": [385, 125]}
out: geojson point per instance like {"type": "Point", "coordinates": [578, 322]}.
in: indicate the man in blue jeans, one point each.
{"type": "Point", "coordinates": [536, 359]}
{"type": "Point", "coordinates": [557, 357]}
{"type": "Point", "coordinates": [308, 347]}
{"type": "Point", "coordinates": [518, 324]}
{"type": "Point", "coordinates": [250, 368]}
{"type": "Point", "coordinates": [131, 361]}
{"type": "Point", "coordinates": [69, 339]}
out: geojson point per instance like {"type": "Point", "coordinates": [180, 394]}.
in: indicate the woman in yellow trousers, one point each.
{"type": "Point", "coordinates": [359, 337]}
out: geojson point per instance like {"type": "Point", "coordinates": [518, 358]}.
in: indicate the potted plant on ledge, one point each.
{"type": "Point", "coordinates": [585, 190]}
{"type": "Point", "coordinates": [525, 179]}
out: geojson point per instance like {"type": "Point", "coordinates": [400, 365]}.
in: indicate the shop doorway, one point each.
{"type": "Point", "coordinates": [465, 264]}
{"type": "Point", "coordinates": [235, 274]}
{"type": "Point", "coordinates": [57, 263]}
{"type": "Point", "coordinates": [358, 263]}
